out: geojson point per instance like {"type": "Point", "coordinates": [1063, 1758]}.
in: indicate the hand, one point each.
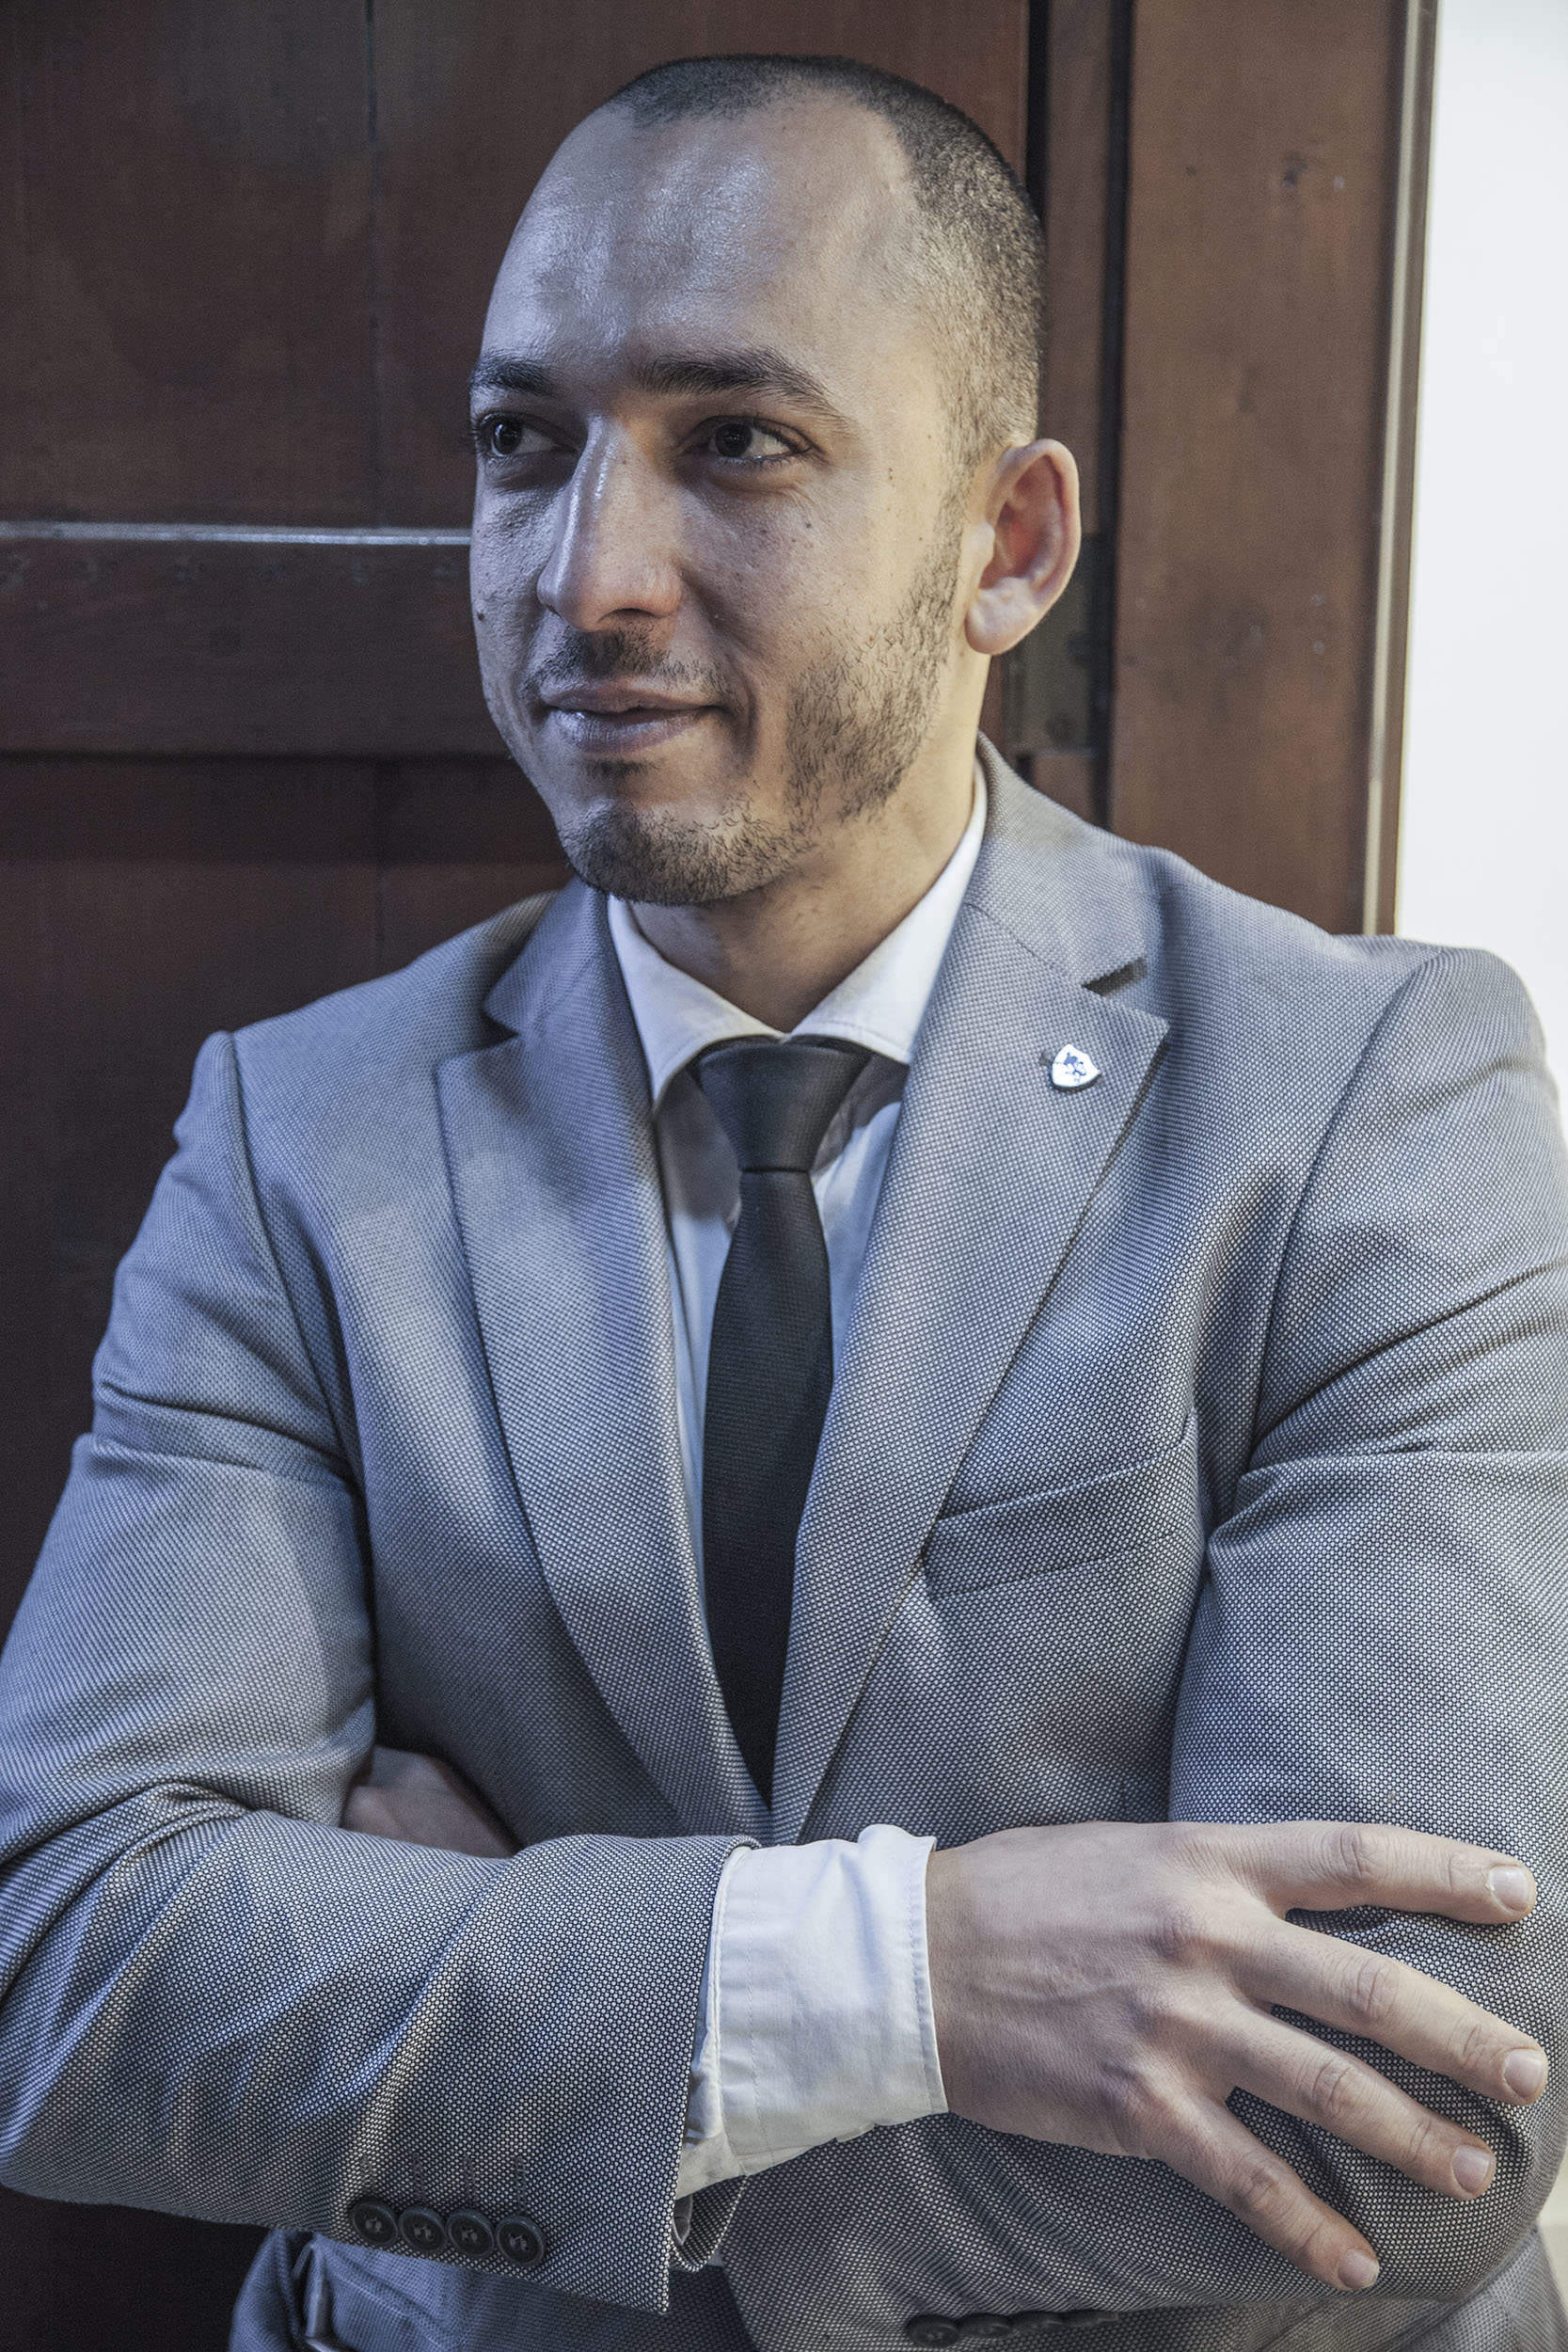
{"type": "Point", "coordinates": [1109, 1986]}
{"type": "Point", "coordinates": [425, 1802]}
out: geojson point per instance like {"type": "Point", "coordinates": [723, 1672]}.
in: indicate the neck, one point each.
{"type": "Point", "coordinates": [778, 950]}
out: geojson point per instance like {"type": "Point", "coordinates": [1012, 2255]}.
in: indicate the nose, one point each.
{"type": "Point", "coordinates": [613, 560]}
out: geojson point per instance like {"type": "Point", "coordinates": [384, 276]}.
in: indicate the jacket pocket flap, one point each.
{"type": "Point", "coordinates": [1128, 1510]}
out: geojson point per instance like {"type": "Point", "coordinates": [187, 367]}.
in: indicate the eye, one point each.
{"type": "Point", "coordinates": [497, 435]}
{"type": "Point", "coordinates": [742, 441]}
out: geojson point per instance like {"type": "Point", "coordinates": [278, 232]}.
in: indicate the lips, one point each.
{"type": "Point", "coordinates": [621, 701]}
{"type": "Point", "coordinates": [621, 721]}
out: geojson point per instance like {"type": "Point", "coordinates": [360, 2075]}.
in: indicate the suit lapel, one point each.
{"type": "Point", "coordinates": [992, 1170]}
{"type": "Point", "coordinates": [550, 1147]}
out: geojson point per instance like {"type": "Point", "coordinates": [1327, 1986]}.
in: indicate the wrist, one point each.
{"type": "Point", "coordinates": [947, 1943]}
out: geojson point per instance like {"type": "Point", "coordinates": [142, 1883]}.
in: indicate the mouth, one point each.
{"type": "Point", "coordinates": [623, 717]}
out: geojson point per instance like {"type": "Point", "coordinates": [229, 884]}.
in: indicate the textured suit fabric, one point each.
{"type": "Point", "coordinates": [359, 2305]}
{"type": "Point", "coordinates": [1198, 1445]}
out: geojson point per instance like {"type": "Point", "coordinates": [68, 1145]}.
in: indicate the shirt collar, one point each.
{"type": "Point", "coordinates": [879, 1004]}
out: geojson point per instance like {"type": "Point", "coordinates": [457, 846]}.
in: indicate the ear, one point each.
{"type": "Point", "coordinates": [1036, 532]}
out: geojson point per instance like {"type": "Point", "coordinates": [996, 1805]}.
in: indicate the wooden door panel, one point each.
{"type": "Point", "coordinates": [181, 639]}
{"type": "Point", "coordinates": [1059, 687]}
{"type": "Point", "coordinates": [141, 906]}
{"type": "Point", "coordinates": [184, 272]}
{"type": "Point", "coordinates": [1264, 154]}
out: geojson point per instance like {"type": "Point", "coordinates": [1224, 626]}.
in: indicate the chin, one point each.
{"type": "Point", "coordinates": [672, 856]}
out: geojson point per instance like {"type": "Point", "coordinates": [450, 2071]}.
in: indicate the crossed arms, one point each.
{"type": "Point", "coordinates": [1109, 1985]}
{"type": "Point", "coordinates": [220, 1999]}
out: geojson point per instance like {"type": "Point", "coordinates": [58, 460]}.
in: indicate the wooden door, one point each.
{"type": "Point", "coordinates": [1234, 199]}
{"type": "Point", "coordinates": [243, 759]}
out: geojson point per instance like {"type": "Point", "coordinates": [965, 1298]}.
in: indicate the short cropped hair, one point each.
{"type": "Point", "coordinates": [979, 251]}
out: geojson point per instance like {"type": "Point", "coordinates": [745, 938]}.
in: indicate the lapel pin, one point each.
{"type": "Point", "coordinates": [1072, 1069]}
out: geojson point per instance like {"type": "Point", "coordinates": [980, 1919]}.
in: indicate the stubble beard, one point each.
{"type": "Point", "coordinates": [856, 724]}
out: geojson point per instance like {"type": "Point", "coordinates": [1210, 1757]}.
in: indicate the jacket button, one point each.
{"type": "Point", "coordinates": [1085, 2319]}
{"type": "Point", "coordinates": [986, 2324]}
{"type": "Point", "coordinates": [520, 2240]}
{"type": "Point", "coordinates": [422, 2229]}
{"type": "Point", "coordinates": [376, 2223]}
{"type": "Point", "coordinates": [470, 2232]}
{"type": "Point", "coordinates": [930, 2328]}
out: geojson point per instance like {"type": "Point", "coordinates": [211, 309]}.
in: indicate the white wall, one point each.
{"type": "Point", "coordinates": [1483, 834]}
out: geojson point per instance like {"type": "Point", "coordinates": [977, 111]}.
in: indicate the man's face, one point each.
{"type": "Point", "coordinates": [718, 536]}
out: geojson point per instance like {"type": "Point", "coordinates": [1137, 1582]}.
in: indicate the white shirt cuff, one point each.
{"type": "Point", "coordinates": [815, 2021]}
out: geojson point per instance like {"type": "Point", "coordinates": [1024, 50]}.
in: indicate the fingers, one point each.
{"type": "Point", "coordinates": [1318, 2084]}
{"type": "Point", "coordinates": [1335, 1865]}
{"type": "Point", "coordinates": [1219, 2156]}
{"type": "Point", "coordinates": [1384, 2001]}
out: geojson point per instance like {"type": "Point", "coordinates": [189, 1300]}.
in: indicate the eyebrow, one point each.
{"type": "Point", "coordinates": [498, 372]}
{"type": "Point", "coordinates": [672, 374]}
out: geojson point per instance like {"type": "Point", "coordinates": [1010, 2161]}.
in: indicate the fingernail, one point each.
{"type": "Point", "coordinates": [1472, 2169]}
{"type": "Point", "coordinates": [1514, 1888]}
{"type": "Point", "coordinates": [1356, 2270]}
{"type": "Point", "coordinates": [1525, 2073]}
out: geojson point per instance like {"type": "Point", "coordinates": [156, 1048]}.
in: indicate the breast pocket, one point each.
{"type": "Point", "coordinates": [1151, 1507]}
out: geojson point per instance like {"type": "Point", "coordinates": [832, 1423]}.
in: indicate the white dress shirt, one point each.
{"type": "Point", "coordinates": [816, 2019]}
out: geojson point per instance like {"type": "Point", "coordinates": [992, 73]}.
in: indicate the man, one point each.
{"type": "Point", "coordinates": [816, 1601]}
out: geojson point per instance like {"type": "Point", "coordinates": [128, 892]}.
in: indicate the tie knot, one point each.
{"type": "Point", "coordinates": [775, 1097]}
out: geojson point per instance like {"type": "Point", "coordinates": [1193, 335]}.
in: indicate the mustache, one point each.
{"type": "Point", "coordinates": [594, 657]}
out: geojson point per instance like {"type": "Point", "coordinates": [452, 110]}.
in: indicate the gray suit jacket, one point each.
{"type": "Point", "coordinates": [1198, 1447]}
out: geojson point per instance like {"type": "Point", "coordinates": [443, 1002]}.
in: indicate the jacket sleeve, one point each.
{"type": "Point", "coordinates": [1382, 1634]}
{"type": "Point", "coordinates": [212, 1999]}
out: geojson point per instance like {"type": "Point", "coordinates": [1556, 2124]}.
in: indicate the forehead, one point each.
{"type": "Point", "coordinates": [790, 226]}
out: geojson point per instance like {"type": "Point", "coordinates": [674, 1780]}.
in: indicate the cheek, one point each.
{"type": "Point", "coordinates": [507, 551]}
{"type": "Point", "coordinates": [781, 587]}
{"type": "Point", "coordinates": [822, 575]}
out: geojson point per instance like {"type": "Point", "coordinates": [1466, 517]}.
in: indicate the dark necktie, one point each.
{"type": "Point", "coordinates": [770, 1363]}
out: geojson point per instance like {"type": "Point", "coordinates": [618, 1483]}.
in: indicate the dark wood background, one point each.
{"type": "Point", "coordinates": [243, 759]}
